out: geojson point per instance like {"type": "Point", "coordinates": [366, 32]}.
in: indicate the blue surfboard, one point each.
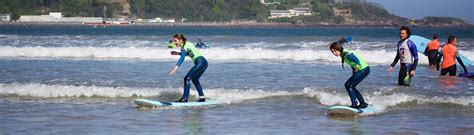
{"type": "Point", "coordinates": [154, 103]}
{"type": "Point", "coordinates": [346, 111]}
{"type": "Point", "coordinates": [422, 42]}
{"type": "Point", "coordinates": [467, 75]}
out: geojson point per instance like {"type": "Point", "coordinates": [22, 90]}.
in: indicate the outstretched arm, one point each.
{"type": "Point", "coordinates": [181, 58]}
{"type": "Point", "coordinates": [180, 61]}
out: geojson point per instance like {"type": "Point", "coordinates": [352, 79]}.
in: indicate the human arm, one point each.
{"type": "Point", "coordinates": [440, 55]}
{"type": "Point", "coordinates": [180, 61]}
{"type": "Point", "coordinates": [395, 61]}
{"type": "Point", "coordinates": [460, 61]}
{"type": "Point", "coordinates": [414, 54]}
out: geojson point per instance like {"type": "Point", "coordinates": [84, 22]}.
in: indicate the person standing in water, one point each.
{"type": "Point", "coordinates": [360, 70]}
{"type": "Point", "coordinates": [171, 45]}
{"type": "Point", "coordinates": [449, 53]}
{"type": "Point", "coordinates": [200, 44]}
{"type": "Point", "coordinates": [432, 50]}
{"type": "Point", "coordinates": [200, 66]}
{"type": "Point", "coordinates": [407, 54]}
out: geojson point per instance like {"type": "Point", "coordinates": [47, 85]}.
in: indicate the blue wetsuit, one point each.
{"type": "Point", "coordinates": [200, 65]}
{"type": "Point", "coordinates": [408, 56]}
{"type": "Point", "coordinates": [356, 78]}
{"type": "Point", "coordinates": [201, 45]}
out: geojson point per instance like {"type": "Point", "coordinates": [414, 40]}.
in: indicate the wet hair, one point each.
{"type": "Point", "coordinates": [407, 30]}
{"type": "Point", "coordinates": [180, 37]}
{"type": "Point", "coordinates": [171, 41]}
{"type": "Point", "coordinates": [338, 47]}
{"type": "Point", "coordinates": [435, 36]}
{"type": "Point", "coordinates": [451, 39]}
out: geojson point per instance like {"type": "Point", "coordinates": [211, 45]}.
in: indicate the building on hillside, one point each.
{"type": "Point", "coordinates": [57, 17]}
{"type": "Point", "coordinates": [342, 12]}
{"type": "Point", "coordinates": [302, 11]}
{"type": "Point", "coordinates": [5, 17]}
{"type": "Point", "coordinates": [269, 3]}
{"type": "Point", "coordinates": [290, 12]}
{"type": "Point", "coordinates": [347, 1]}
{"type": "Point", "coordinates": [280, 13]}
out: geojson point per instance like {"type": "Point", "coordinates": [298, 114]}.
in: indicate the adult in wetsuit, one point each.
{"type": "Point", "coordinates": [432, 50]}
{"type": "Point", "coordinates": [407, 54]}
{"type": "Point", "coordinates": [448, 53]}
{"type": "Point", "coordinates": [200, 66]}
{"type": "Point", "coordinates": [200, 44]}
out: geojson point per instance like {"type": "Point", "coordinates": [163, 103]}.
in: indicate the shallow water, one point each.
{"type": "Point", "coordinates": [271, 81]}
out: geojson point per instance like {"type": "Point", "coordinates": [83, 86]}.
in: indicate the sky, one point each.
{"type": "Point", "coordinates": [418, 9]}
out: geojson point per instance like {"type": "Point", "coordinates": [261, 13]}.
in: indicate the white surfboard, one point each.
{"type": "Point", "coordinates": [347, 111]}
{"type": "Point", "coordinates": [154, 103]}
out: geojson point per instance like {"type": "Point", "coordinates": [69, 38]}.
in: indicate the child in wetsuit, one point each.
{"type": "Point", "coordinates": [360, 70]}
{"type": "Point", "coordinates": [200, 66]}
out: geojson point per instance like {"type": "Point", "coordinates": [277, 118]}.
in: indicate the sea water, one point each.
{"type": "Point", "coordinates": [82, 80]}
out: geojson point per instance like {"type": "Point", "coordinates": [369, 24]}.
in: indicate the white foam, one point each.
{"type": "Point", "coordinates": [385, 101]}
{"type": "Point", "coordinates": [51, 91]}
{"type": "Point", "coordinates": [223, 96]}
{"type": "Point", "coordinates": [148, 53]}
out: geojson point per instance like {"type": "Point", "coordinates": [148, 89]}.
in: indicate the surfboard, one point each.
{"type": "Point", "coordinates": [154, 103]}
{"type": "Point", "coordinates": [346, 111]}
{"type": "Point", "coordinates": [468, 75]}
{"type": "Point", "coordinates": [422, 42]}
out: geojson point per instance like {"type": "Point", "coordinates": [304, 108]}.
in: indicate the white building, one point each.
{"type": "Point", "coordinates": [5, 17]}
{"type": "Point", "coordinates": [302, 11]}
{"type": "Point", "coordinates": [280, 13]}
{"type": "Point", "coordinates": [57, 17]}
{"type": "Point", "coordinates": [290, 12]}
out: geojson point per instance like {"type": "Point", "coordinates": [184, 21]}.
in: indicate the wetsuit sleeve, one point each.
{"type": "Point", "coordinates": [352, 58]}
{"type": "Point", "coordinates": [414, 53]}
{"type": "Point", "coordinates": [181, 58]}
{"type": "Point", "coordinates": [426, 51]}
{"type": "Point", "coordinates": [460, 62]}
{"type": "Point", "coordinates": [395, 61]}
{"type": "Point", "coordinates": [440, 55]}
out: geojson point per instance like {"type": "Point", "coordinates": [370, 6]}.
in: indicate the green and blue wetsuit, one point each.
{"type": "Point", "coordinates": [362, 71]}
{"type": "Point", "coordinates": [200, 65]}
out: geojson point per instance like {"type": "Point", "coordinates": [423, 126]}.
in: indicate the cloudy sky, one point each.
{"type": "Point", "coordinates": [418, 9]}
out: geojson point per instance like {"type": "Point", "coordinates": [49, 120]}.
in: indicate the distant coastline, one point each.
{"type": "Point", "coordinates": [214, 24]}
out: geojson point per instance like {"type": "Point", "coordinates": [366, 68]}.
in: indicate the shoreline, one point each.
{"type": "Point", "coordinates": [212, 24]}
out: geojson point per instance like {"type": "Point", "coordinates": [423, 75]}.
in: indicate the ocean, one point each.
{"type": "Point", "coordinates": [83, 80]}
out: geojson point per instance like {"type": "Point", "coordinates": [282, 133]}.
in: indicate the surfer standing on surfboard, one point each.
{"type": "Point", "coordinates": [449, 52]}
{"type": "Point", "coordinates": [360, 70]}
{"type": "Point", "coordinates": [200, 65]}
{"type": "Point", "coordinates": [407, 54]}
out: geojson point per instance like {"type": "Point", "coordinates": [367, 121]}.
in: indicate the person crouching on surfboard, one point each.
{"type": "Point", "coordinates": [407, 54]}
{"type": "Point", "coordinates": [200, 66]}
{"type": "Point", "coordinates": [360, 70]}
{"type": "Point", "coordinates": [449, 53]}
